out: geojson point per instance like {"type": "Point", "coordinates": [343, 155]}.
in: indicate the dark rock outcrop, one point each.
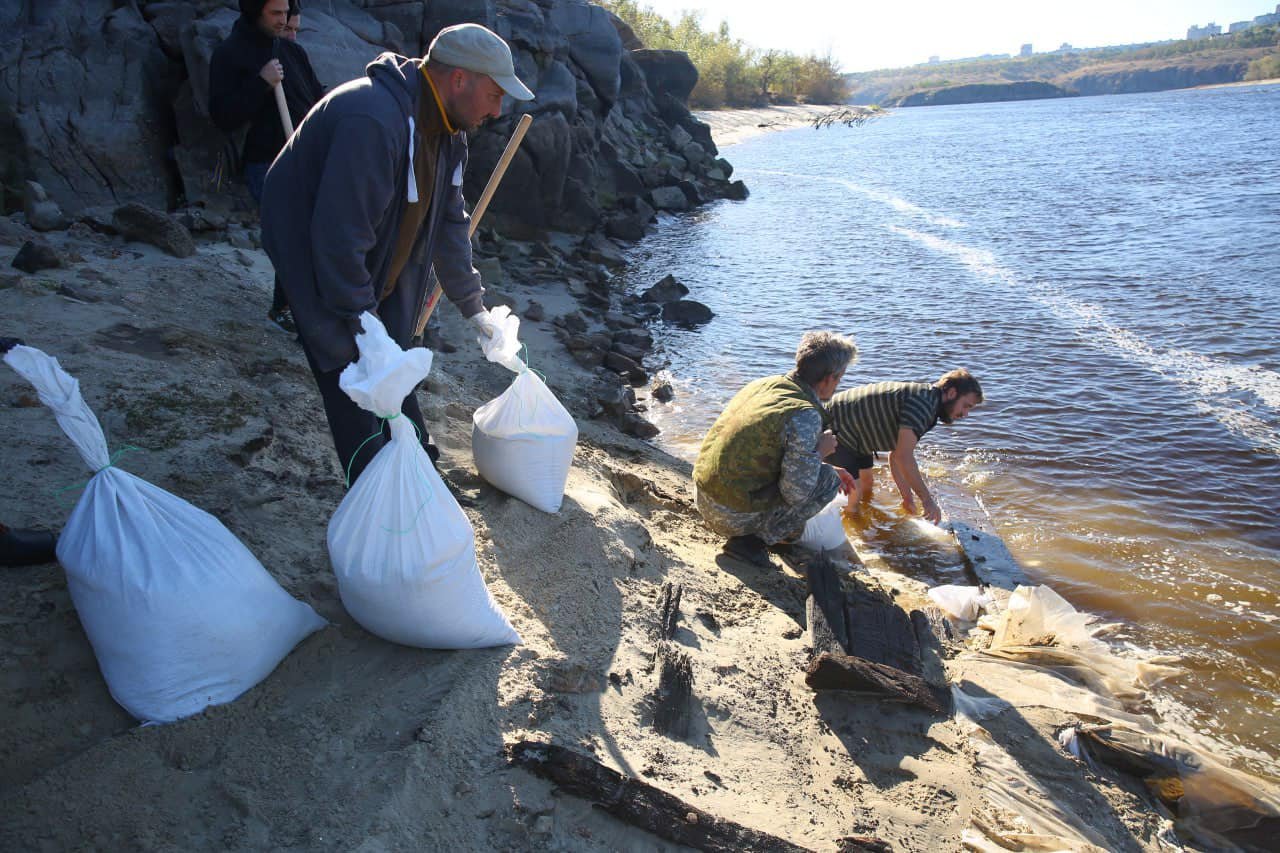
{"type": "Point", "coordinates": [978, 93]}
{"type": "Point", "coordinates": [1156, 79]}
{"type": "Point", "coordinates": [105, 103]}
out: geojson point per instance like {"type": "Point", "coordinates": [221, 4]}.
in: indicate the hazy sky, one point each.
{"type": "Point", "coordinates": [867, 35]}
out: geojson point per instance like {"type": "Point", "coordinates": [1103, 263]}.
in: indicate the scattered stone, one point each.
{"type": "Point", "coordinates": [663, 392]}
{"type": "Point", "coordinates": [669, 198]}
{"type": "Point", "coordinates": [638, 338]}
{"type": "Point", "coordinates": [534, 312]}
{"type": "Point", "coordinates": [572, 322]}
{"type": "Point", "coordinates": [497, 297]}
{"type": "Point", "coordinates": [71, 293]}
{"type": "Point", "coordinates": [243, 257]}
{"type": "Point", "coordinates": [737, 191]}
{"type": "Point", "coordinates": [35, 256]}
{"type": "Point", "coordinates": [42, 212]}
{"type": "Point", "coordinates": [544, 825]}
{"type": "Point", "coordinates": [633, 424]}
{"type": "Point", "coordinates": [724, 166]}
{"type": "Point", "coordinates": [626, 226]}
{"type": "Point", "coordinates": [601, 340]}
{"type": "Point", "coordinates": [99, 219]}
{"type": "Point", "coordinates": [667, 289]}
{"type": "Point", "coordinates": [619, 363]}
{"type": "Point", "coordinates": [691, 192]}
{"type": "Point", "coordinates": [601, 250]}
{"type": "Point", "coordinates": [633, 353]}
{"type": "Point", "coordinates": [147, 225]}
{"type": "Point", "coordinates": [589, 358]}
{"type": "Point", "coordinates": [618, 320]}
{"type": "Point", "coordinates": [490, 270]}
{"type": "Point", "coordinates": [617, 401]}
{"type": "Point", "coordinates": [239, 239]}
{"type": "Point", "coordinates": [686, 312]}
{"type": "Point", "coordinates": [199, 219]}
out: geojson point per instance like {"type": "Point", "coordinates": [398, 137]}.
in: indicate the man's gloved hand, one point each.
{"type": "Point", "coordinates": [488, 328]}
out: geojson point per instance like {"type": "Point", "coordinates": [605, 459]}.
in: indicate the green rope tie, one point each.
{"type": "Point", "coordinates": [111, 463]}
{"type": "Point", "coordinates": [386, 419]}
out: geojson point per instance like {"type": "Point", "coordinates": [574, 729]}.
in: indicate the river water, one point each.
{"type": "Point", "coordinates": [1109, 268]}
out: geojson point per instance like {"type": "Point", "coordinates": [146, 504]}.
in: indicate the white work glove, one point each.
{"type": "Point", "coordinates": [499, 337]}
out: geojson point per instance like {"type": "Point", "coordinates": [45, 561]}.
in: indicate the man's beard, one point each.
{"type": "Point", "coordinates": [944, 413]}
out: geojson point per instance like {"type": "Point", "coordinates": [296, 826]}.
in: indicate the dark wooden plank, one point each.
{"type": "Point", "coordinates": [668, 610]}
{"type": "Point", "coordinates": [844, 672]}
{"type": "Point", "coordinates": [673, 698]}
{"type": "Point", "coordinates": [640, 804]}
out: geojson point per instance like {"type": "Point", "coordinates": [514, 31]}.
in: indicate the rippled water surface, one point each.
{"type": "Point", "coordinates": [1110, 269]}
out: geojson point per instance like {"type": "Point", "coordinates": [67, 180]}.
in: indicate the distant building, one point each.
{"type": "Point", "coordinates": [1026, 50]}
{"type": "Point", "coordinates": [933, 60]}
{"type": "Point", "coordinates": [1264, 20]}
{"type": "Point", "coordinates": [1195, 33]}
{"type": "Point", "coordinates": [1240, 26]}
{"type": "Point", "coordinates": [1066, 47]}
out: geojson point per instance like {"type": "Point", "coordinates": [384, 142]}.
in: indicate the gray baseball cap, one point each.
{"type": "Point", "coordinates": [475, 48]}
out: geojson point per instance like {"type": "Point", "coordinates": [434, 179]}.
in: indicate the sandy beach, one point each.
{"type": "Point", "coordinates": [729, 127]}
{"type": "Point", "coordinates": [357, 744]}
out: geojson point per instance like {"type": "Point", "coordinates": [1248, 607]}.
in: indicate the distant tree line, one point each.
{"type": "Point", "coordinates": [731, 73]}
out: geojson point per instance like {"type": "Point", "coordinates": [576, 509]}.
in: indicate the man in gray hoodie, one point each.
{"type": "Point", "coordinates": [366, 198]}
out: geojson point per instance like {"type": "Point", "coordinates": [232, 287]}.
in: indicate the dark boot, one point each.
{"type": "Point", "coordinates": [26, 547]}
{"type": "Point", "coordinates": [748, 549]}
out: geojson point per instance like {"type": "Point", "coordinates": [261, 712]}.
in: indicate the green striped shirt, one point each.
{"type": "Point", "coordinates": [866, 419]}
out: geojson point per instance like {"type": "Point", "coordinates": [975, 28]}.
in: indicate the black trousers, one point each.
{"type": "Point", "coordinates": [352, 425]}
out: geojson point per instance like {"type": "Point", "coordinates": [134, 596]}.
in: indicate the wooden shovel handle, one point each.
{"type": "Point", "coordinates": [489, 189]}
{"type": "Point", "coordinates": [283, 107]}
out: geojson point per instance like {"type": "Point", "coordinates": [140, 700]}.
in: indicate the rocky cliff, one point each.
{"type": "Point", "coordinates": [105, 102]}
{"type": "Point", "coordinates": [982, 93]}
{"type": "Point", "coordinates": [1128, 79]}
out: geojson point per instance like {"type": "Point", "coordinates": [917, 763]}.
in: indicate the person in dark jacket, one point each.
{"type": "Point", "coordinates": [367, 198]}
{"type": "Point", "coordinates": [243, 73]}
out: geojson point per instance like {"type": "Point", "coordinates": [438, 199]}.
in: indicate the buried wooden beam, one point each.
{"type": "Point", "coordinates": [845, 672]}
{"type": "Point", "coordinates": [640, 804]}
{"type": "Point", "coordinates": [673, 697]}
{"type": "Point", "coordinates": [863, 642]}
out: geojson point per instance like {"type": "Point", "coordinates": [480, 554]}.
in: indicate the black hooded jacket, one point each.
{"type": "Point", "coordinates": [239, 96]}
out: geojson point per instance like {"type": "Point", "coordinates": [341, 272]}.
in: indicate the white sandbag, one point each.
{"type": "Point", "coordinates": [960, 602]}
{"type": "Point", "coordinates": [402, 549]}
{"type": "Point", "coordinates": [523, 439]}
{"type": "Point", "coordinates": [180, 614]}
{"type": "Point", "coordinates": [825, 531]}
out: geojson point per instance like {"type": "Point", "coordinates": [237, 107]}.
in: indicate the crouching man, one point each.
{"type": "Point", "coordinates": [760, 475]}
{"type": "Point", "coordinates": [891, 417]}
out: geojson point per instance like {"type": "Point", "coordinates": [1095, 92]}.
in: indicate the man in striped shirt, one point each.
{"type": "Point", "coordinates": [891, 417]}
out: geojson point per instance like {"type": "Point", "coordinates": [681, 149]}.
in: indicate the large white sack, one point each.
{"type": "Point", "coordinates": [523, 439]}
{"type": "Point", "coordinates": [825, 531]}
{"type": "Point", "coordinates": [523, 442]}
{"type": "Point", "coordinates": [180, 614]}
{"type": "Point", "coordinates": [402, 549]}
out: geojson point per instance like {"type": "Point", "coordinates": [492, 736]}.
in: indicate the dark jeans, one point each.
{"type": "Point", "coordinates": [255, 175]}
{"type": "Point", "coordinates": [351, 425]}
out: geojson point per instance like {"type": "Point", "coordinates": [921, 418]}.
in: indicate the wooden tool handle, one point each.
{"type": "Point", "coordinates": [283, 107]}
{"type": "Point", "coordinates": [490, 188]}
